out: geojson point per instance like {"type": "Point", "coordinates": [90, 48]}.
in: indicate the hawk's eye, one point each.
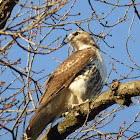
{"type": "Point", "coordinates": [75, 34]}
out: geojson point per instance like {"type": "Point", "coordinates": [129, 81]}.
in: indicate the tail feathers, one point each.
{"type": "Point", "coordinates": [46, 113]}
{"type": "Point", "coordinates": [42, 117]}
{"type": "Point", "coordinates": [38, 122]}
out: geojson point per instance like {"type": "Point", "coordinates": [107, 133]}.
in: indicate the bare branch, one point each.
{"type": "Point", "coordinates": [77, 116]}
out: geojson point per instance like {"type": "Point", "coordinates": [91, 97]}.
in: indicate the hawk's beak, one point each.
{"type": "Point", "coordinates": [68, 38]}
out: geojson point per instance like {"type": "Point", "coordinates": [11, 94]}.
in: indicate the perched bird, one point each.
{"type": "Point", "coordinates": [79, 77]}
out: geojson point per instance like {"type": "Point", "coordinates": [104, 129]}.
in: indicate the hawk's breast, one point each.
{"type": "Point", "coordinates": [89, 81]}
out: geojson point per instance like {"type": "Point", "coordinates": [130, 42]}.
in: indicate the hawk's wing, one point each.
{"type": "Point", "coordinates": [65, 73]}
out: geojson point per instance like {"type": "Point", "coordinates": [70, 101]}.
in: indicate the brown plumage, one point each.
{"type": "Point", "coordinates": [70, 83]}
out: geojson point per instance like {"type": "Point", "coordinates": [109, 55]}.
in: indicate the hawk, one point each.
{"type": "Point", "coordinates": [78, 78]}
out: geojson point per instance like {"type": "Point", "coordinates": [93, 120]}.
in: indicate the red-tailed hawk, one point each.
{"type": "Point", "coordinates": [78, 78]}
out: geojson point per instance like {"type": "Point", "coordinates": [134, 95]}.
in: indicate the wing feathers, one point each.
{"type": "Point", "coordinates": [65, 73]}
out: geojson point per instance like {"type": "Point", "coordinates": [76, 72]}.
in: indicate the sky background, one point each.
{"type": "Point", "coordinates": [117, 37]}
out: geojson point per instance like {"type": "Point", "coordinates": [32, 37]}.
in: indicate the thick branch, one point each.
{"type": "Point", "coordinates": [6, 7]}
{"type": "Point", "coordinates": [78, 115]}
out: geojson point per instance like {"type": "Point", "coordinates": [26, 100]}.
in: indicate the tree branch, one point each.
{"type": "Point", "coordinates": [6, 7]}
{"type": "Point", "coordinates": [121, 94]}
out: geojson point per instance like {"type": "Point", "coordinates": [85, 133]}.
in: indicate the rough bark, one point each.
{"type": "Point", "coordinates": [6, 7]}
{"type": "Point", "coordinates": [120, 93]}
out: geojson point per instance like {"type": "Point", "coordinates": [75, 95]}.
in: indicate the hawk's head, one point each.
{"type": "Point", "coordinates": [80, 40]}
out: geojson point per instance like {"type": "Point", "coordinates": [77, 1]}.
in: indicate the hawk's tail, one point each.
{"type": "Point", "coordinates": [38, 122]}
{"type": "Point", "coordinates": [44, 114]}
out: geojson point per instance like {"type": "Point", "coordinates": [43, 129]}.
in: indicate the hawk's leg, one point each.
{"type": "Point", "coordinates": [80, 101]}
